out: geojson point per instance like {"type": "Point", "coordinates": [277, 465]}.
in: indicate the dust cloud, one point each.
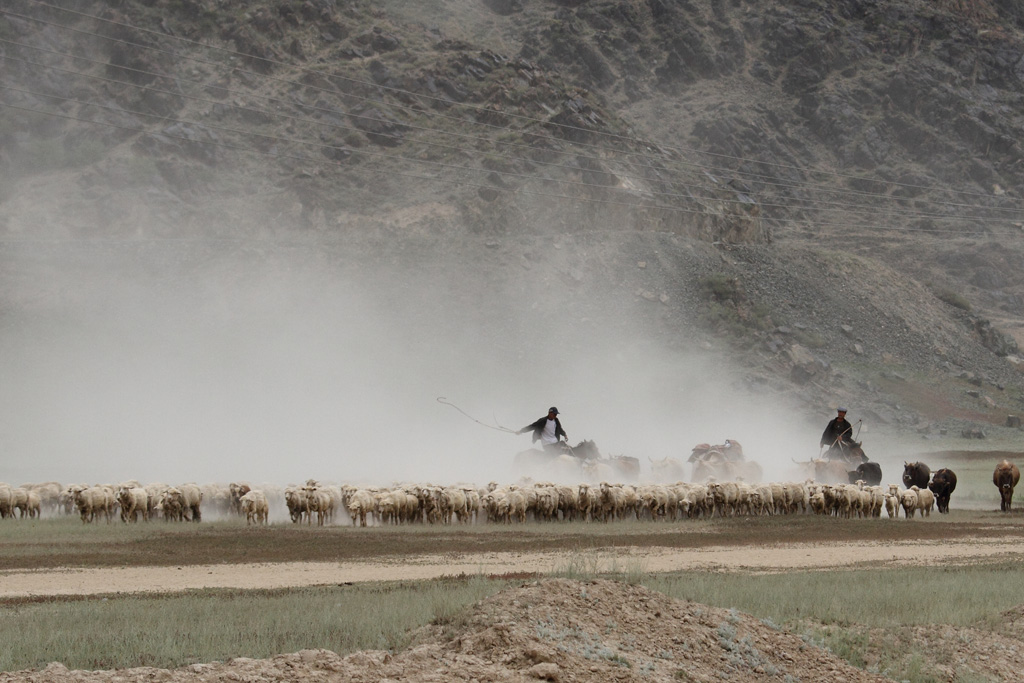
{"type": "Point", "coordinates": [161, 364]}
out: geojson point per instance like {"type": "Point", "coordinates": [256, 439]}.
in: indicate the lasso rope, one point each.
{"type": "Point", "coordinates": [442, 400]}
{"type": "Point", "coordinates": [839, 439]}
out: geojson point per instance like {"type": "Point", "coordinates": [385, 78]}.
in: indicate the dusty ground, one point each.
{"type": "Point", "coordinates": [778, 557]}
{"type": "Point", "coordinates": [563, 630]}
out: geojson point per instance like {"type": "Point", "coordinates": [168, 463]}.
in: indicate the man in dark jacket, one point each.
{"type": "Point", "coordinates": [548, 430]}
{"type": "Point", "coordinates": [838, 435]}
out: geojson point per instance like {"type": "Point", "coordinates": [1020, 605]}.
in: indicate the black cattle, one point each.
{"type": "Point", "coordinates": [943, 484]}
{"type": "Point", "coordinates": [916, 474]}
{"type": "Point", "coordinates": [868, 472]}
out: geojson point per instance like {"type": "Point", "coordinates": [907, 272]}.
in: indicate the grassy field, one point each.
{"type": "Point", "coordinates": [203, 626]}
{"type": "Point", "coordinates": [177, 629]}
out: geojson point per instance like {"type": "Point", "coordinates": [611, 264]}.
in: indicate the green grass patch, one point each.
{"type": "Point", "coordinates": [857, 614]}
{"type": "Point", "coordinates": [176, 630]}
{"type": "Point", "coordinates": [583, 566]}
{"type": "Point", "coordinates": [970, 594]}
{"type": "Point", "coordinates": [863, 617]}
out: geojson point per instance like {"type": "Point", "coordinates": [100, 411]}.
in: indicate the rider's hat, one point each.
{"type": "Point", "coordinates": [841, 410]}
{"type": "Point", "coordinates": [553, 409]}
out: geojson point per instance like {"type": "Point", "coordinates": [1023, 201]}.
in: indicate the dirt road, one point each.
{"type": "Point", "coordinates": [748, 558]}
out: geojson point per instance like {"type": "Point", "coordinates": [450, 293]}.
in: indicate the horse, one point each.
{"type": "Point", "coordinates": [564, 464]}
{"type": "Point", "coordinates": [848, 453]}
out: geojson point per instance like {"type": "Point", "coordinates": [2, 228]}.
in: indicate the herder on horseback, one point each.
{"type": "Point", "coordinates": [838, 436]}
{"type": "Point", "coordinates": [548, 430]}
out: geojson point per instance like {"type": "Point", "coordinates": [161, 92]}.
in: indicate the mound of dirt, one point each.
{"type": "Point", "coordinates": [552, 629]}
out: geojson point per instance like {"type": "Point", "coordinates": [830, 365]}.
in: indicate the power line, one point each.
{"type": "Point", "coordinates": [483, 109]}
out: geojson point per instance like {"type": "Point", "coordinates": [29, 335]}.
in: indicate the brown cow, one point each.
{"type": "Point", "coordinates": [1005, 478]}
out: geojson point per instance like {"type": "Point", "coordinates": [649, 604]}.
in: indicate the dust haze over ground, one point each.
{"type": "Point", "coordinates": [164, 362]}
{"type": "Point", "coordinates": [155, 339]}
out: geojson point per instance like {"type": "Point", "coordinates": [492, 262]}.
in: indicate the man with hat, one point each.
{"type": "Point", "coordinates": [548, 430]}
{"type": "Point", "coordinates": [838, 435]}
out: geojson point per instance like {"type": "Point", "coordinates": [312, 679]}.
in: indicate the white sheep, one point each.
{"type": "Point", "coordinates": [613, 501]}
{"type": "Point", "coordinates": [30, 505]}
{"type": "Point", "coordinates": [318, 500]}
{"type": "Point", "coordinates": [298, 506]}
{"type": "Point", "coordinates": [360, 504]}
{"type": "Point", "coordinates": [49, 494]}
{"type": "Point", "coordinates": [133, 501]}
{"type": "Point", "coordinates": [191, 499]}
{"type": "Point", "coordinates": [253, 504]}
{"type": "Point", "coordinates": [909, 501]}
{"type": "Point", "coordinates": [19, 501]}
{"type": "Point", "coordinates": [925, 501]}
{"type": "Point", "coordinates": [588, 502]}
{"type": "Point", "coordinates": [172, 505]}
{"type": "Point", "coordinates": [817, 503]}
{"type": "Point", "coordinates": [91, 501]}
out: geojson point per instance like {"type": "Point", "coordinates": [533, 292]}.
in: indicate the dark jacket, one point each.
{"type": "Point", "coordinates": [538, 429]}
{"type": "Point", "coordinates": [837, 431]}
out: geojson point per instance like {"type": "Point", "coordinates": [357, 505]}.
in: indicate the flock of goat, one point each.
{"type": "Point", "coordinates": [540, 501]}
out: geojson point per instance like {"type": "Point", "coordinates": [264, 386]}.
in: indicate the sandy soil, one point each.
{"type": "Point", "coordinates": [651, 559]}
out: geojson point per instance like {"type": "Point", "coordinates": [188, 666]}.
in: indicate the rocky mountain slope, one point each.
{"type": "Point", "coordinates": [826, 194]}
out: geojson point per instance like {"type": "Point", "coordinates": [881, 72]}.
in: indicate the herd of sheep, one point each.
{"type": "Point", "coordinates": [130, 500]}
{"type": "Point", "coordinates": [438, 504]}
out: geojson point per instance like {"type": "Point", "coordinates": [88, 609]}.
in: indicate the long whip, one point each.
{"type": "Point", "coordinates": [443, 401]}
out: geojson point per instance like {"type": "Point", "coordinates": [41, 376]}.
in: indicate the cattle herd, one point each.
{"type": "Point", "coordinates": [921, 491]}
